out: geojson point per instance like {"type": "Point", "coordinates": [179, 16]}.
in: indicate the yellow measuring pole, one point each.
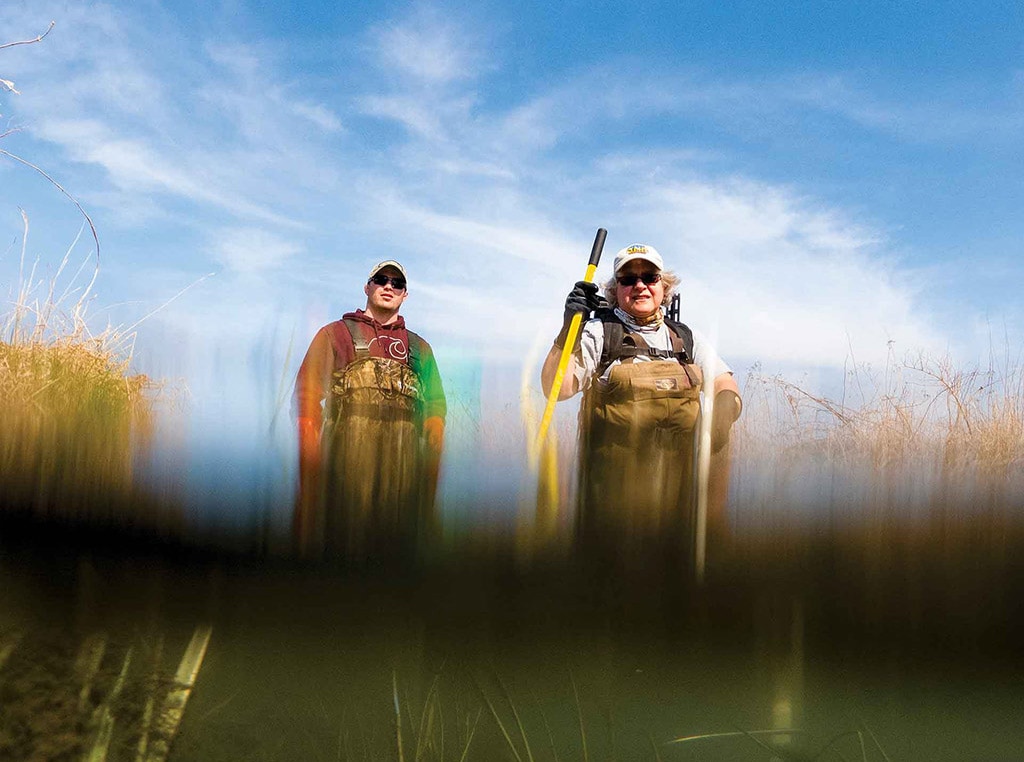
{"type": "Point", "coordinates": [570, 341]}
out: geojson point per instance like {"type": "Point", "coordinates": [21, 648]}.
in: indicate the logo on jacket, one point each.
{"type": "Point", "coordinates": [393, 347]}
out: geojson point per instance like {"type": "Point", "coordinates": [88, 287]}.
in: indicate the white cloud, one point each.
{"type": "Point", "coordinates": [653, 164]}
{"type": "Point", "coordinates": [417, 117]}
{"type": "Point", "coordinates": [963, 111]}
{"type": "Point", "coordinates": [137, 166]}
{"type": "Point", "coordinates": [249, 250]}
{"type": "Point", "coordinates": [493, 208]}
{"type": "Point", "coordinates": [429, 47]}
{"type": "Point", "coordinates": [776, 276]}
{"type": "Point", "coordinates": [781, 278]}
{"type": "Point", "coordinates": [319, 115]}
{"type": "Point", "coordinates": [455, 166]}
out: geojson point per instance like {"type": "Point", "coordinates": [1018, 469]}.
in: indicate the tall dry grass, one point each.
{"type": "Point", "coordinates": [74, 417]}
{"type": "Point", "coordinates": [892, 505]}
{"type": "Point", "coordinates": [920, 416]}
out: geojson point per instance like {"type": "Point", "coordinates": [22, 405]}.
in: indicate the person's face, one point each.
{"type": "Point", "coordinates": [641, 300]}
{"type": "Point", "coordinates": [386, 297]}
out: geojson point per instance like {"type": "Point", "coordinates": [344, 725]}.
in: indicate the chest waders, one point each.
{"type": "Point", "coordinates": [637, 445]}
{"type": "Point", "coordinates": [373, 456]}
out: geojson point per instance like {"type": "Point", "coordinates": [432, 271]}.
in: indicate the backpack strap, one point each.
{"type": "Point", "coordinates": [683, 355]}
{"type": "Point", "coordinates": [359, 341]}
{"type": "Point", "coordinates": [684, 333]}
{"type": "Point", "coordinates": [614, 335]}
{"type": "Point", "coordinates": [620, 343]}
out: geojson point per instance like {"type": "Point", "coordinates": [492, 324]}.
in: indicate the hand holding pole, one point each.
{"type": "Point", "coordinates": [570, 343]}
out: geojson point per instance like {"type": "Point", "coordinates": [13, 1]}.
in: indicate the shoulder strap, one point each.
{"type": "Point", "coordinates": [685, 335]}
{"type": "Point", "coordinates": [620, 343]}
{"type": "Point", "coordinates": [359, 340]}
{"type": "Point", "coordinates": [416, 343]}
{"type": "Point", "coordinates": [614, 335]}
{"type": "Point", "coordinates": [341, 341]}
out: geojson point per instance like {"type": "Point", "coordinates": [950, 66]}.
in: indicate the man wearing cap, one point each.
{"type": "Point", "coordinates": [371, 412]}
{"type": "Point", "coordinates": [641, 376]}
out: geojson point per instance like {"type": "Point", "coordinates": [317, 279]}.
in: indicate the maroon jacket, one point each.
{"type": "Point", "coordinates": [332, 349]}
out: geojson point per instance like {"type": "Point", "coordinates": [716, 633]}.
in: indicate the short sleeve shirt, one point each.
{"type": "Point", "coordinates": [657, 337]}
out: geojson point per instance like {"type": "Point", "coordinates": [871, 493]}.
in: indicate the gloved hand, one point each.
{"type": "Point", "coordinates": [726, 410]}
{"type": "Point", "coordinates": [584, 299]}
{"type": "Point", "coordinates": [433, 430]}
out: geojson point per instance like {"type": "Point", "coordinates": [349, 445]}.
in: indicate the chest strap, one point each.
{"type": "Point", "coordinates": [634, 345]}
{"type": "Point", "coordinates": [621, 344]}
{"type": "Point", "coordinates": [359, 340]}
{"type": "Point", "coordinates": [640, 347]}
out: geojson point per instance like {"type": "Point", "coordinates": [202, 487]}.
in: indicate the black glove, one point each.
{"type": "Point", "coordinates": [726, 411]}
{"type": "Point", "coordinates": [584, 299]}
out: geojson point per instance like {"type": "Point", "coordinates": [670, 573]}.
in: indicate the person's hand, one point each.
{"type": "Point", "coordinates": [309, 444]}
{"type": "Point", "coordinates": [726, 410]}
{"type": "Point", "coordinates": [304, 518]}
{"type": "Point", "coordinates": [583, 299]}
{"type": "Point", "coordinates": [433, 430]}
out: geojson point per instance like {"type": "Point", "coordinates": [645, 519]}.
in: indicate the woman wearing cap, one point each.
{"type": "Point", "coordinates": [641, 376]}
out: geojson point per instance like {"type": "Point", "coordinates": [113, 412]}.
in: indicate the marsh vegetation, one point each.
{"type": "Point", "coordinates": [861, 601]}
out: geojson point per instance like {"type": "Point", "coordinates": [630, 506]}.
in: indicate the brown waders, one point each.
{"type": "Point", "coordinates": [373, 461]}
{"type": "Point", "coordinates": [637, 496]}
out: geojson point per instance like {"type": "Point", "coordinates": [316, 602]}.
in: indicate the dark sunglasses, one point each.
{"type": "Point", "coordinates": [382, 280]}
{"type": "Point", "coordinates": [629, 281]}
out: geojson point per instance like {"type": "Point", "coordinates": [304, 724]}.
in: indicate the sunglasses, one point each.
{"type": "Point", "coordinates": [382, 280]}
{"type": "Point", "coordinates": [629, 281]}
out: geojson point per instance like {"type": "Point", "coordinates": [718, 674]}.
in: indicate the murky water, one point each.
{"type": "Point", "coordinates": [824, 646]}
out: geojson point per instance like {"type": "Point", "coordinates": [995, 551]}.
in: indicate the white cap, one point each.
{"type": "Point", "coordinates": [387, 263]}
{"type": "Point", "coordinates": [638, 251]}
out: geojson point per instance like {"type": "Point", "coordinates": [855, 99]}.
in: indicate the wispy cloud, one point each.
{"type": "Point", "coordinates": [319, 115]}
{"type": "Point", "coordinates": [784, 275]}
{"type": "Point", "coordinates": [781, 277]}
{"type": "Point", "coordinates": [491, 202]}
{"type": "Point", "coordinates": [428, 47]}
{"type": "Point", "coordinates": [960, 113]}
{"type": "Point", "coordinates": [138, 167]}
{"type": "Point", "coordinates": [154, 121]}
{"type": "Point", "coordinates": [252, 250]}
{"type": "Point", "coordinates": [417, 117]}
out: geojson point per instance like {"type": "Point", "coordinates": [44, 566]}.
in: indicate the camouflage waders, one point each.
{"type": "Point", "coordinates": [373, 461]}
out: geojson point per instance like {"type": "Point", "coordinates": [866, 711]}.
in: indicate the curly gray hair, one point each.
{"type": "Point", "coordinates": [668, 278]}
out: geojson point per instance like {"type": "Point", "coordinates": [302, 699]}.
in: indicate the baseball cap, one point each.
{"type": "Point", "coordinates": [387, 263]}
{"type": "Point", "coordinates": [638, 251]}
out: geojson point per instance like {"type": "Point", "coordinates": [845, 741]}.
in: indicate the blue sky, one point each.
{"type": "Point", "coordinates": [830, 179]}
